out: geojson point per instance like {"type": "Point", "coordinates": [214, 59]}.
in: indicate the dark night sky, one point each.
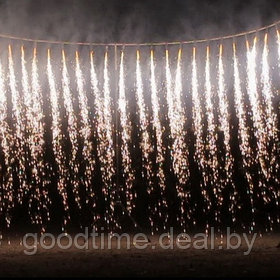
{"type": "Point", "coordinates": [134, 21]}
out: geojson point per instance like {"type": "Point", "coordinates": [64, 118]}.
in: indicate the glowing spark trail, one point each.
{"type": "Point", "coordinates": [225, 127]}
{"type": "Point", "coordinates": [106, 168]}
{"type": "Point", "coordinates": [211, 139]}
{"type": "Point", "coordinates": [19, 129]}
{"type": "Point", "coordinates": [88, 165]}
{"type": "Point", "coordinates": [160, 149]}
{"type": "Point", "coordinates": [126, 139]}
{"type": "Point", "coordinates": [260, 133]}
{"type": "Point", "coordinates": [179, 151]}
{"type": "Point", "coordinates": [85, 132]}
{"type": "Point", "coordinates": [258, 122]}
{"type": "Point", "coordinates": [7, 192]}
{"type": "Point", "coordinates": [243, 133]}
{"type": "Point", "coordinates": [270, 116]}
{"type": "Point", "coordinates": [146, 145]}
{"type": "Point", "coordinates": [72, 126]}
{"type": "Point", "coordinates": [57, 141]}
{"type": "Point", "coordinates": [109, 189]}
{"type": "Point", "coordinates": [278, 43]}
{"type": "Point", "coordinates": [198, 132]}
{"type": "Point", "coordinates": [38, 135]}
{"type": "Point", "coordinates": [270, 125]}
{"type": "Point", "coordinates": [35, 140]}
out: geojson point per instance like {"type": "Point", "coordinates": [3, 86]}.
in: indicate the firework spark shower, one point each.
{"type": "Point", "coordinates": [192, 144]}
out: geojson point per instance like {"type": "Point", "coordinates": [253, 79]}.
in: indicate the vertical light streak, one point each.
{"type": "Point", "coordinates": [20, 141]}
{"type": "Point", "coordinates": [57, 141]}
{"type": "Point", "coordinates": [85, 132]}
{"type": "Point", "coordinates": [159, 143]}
{"type": "Point", "coordinates": [259, 129]}
{"type": "Point", "coordinates": [106, 173]}
{"type": "Point", "coordinates": [7, 140]}
{"type": "Point", "coordinates": [146, 145]}
{"type": "Point", "coordinates": [243, 134]}
{"type": "Point", "coordinates": [35, 139]}
{"type": "Point", "coordinates": [169, 93]}
{"type": "Point", "coordinates": [224, 118]}
{"type": "Point", "coordinates": [126, 140]}
{"type": "Point", "coordinates": [24, 168]}
{"type": "Point", "coordinates": [109, 189]}
{"type": "Point", "coordinates": [39, 129]}
{"type": "Point", "coordinates": [181, 164]}
{"type": "Point", "coordinates": [146, 142]}
{"type": "Point", "coordinates": [211, 139]}
{"type": "Point", "coordinates": [278, 43]}
{"type": "Point", "coordinates": [72, 127]}
{"type": "Point", "coordinates": [179, 151]}
{"type": "Point", "coordinates": [270, 116]}
{"type": "Point", "coordinates": [198, 132]}
{"type": "Point", "coordinates": [270, 123]}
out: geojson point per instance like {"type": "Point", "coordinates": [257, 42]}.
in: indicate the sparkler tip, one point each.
{"type": "Point", "coordinates": [194, 52]}
{"type": "Point", "coordinates": [138, 55]}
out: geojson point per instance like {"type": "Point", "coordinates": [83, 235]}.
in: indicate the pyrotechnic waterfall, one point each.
{"type": "Point", "coordinates": [109, 188]}
{"type": "Point", "coordinates": [211, 150]}
{"type": "Point", "coordinates": [162, 204]}
{"type": "Point", "coordinates": [145, 143]}
{"type": "Point", "coordinates": [198, 132]}
{"type": "Point", "coordinates": [224, 122]}
{"type": "Point", "coordinates": [19, 138]}
{"type": "Point", "coordinates": [59, 153]}
{"type": "Point", "coordinates": [72, 126]}
{"type": "Point", "coordinates": [7, 191]}
{"type": "Point", "coordinates": [199, 148]}
{"type": "Point", "coordinates": [179, 151]}
{"type": "Point", "coordinates": [85, 133]}
{"type": "Point", "coordinates": [126, 139]}
{"type": "Point", "coordinates": [35, 140]}
{"type": "Point", "coordinates": [257, 112]}
{"type": "Point", "coordinates": [243, 133]}
{"type": "Point", "coordinates": [270, 116]}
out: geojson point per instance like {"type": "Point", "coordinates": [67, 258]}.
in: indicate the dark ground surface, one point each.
{"type": "Point", "coordinates": [264, 260]}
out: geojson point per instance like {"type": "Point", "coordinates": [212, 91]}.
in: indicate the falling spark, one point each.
{"type": "Point", "coordinates": [211, 139]}
{"type": "Point", "coordinates": [198, 132]}
{"type": "Point", "coordinates": [179, 151]}
{"type": "Point", "coordinates": [57, 141]}
{"type": "Point", "coordinates": [181, 167]}
{"type": "Point", "coordinates": [72, 126]}
{"type": "Point", "coordinates": [270, 116]}
{"type": "Point", "coordinates": [146, 145]}
{"type": "Point", "coordinates": [225, 127]}
{"type": "Point", "coordinates": [146, 142]}
{"type": "Point", "coordinates": [19, 129]}
{"type": "Point", "coordinates": [243, 134]}
{"type": "Point", "coordinates": [27, 171]}
{"type": "Point", "coordinates": [258, 123]}
{"type": "Point", "coordinates": [106, 172]}
{"type": "Point", "coordinates": [109, 189]}
{"type": "Point", "coordinates": [159, 144]}
{"type": "Point", "coordinates": [35, 140]}
{"type": "Point", "coordinates": [126, 140]}
{"type": "Point", "coordinates": [85, 132]}
{"type": "Point", "coordinates": [7, 192]}
{"type": "Point", "coordinates": [278, 43]}
{"type": "Point", "coordinates": [270, 123]}
{"type": "Point", "coordinates": [258, 117]}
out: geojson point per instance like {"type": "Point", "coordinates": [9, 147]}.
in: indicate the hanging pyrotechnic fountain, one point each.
{"type": "Point", "coordinates": [238, 180]}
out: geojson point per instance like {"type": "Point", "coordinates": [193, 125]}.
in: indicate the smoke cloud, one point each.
{"type": "Point", "coordinates": [133, 21]}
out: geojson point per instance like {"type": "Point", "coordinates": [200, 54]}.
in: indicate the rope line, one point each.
{"type": "Point", "coordinates": [7, 36]}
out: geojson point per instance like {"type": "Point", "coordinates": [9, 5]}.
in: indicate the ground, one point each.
{"type": "Point", "coordinates": [264, 260]}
